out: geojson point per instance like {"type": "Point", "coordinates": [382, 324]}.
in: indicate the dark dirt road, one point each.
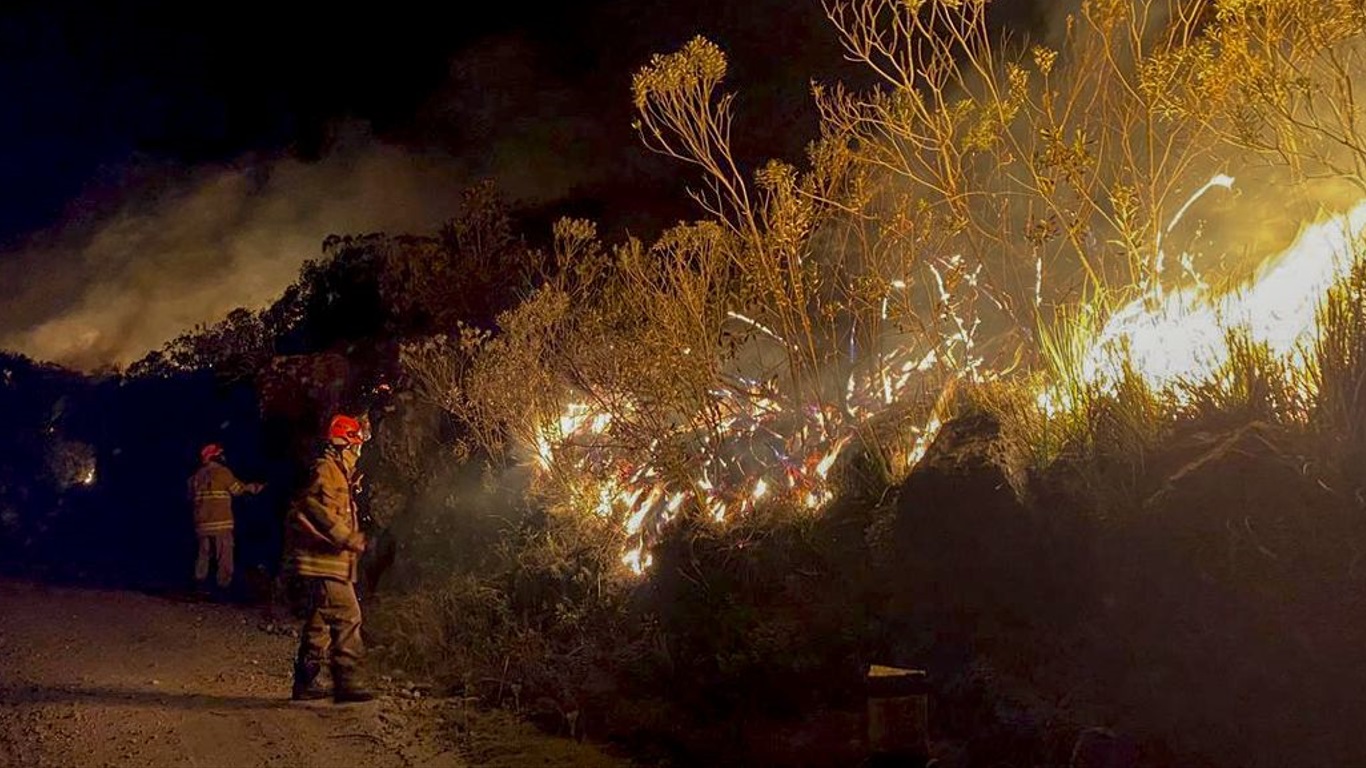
{"type": "Point", "coordinates": [108, 678]}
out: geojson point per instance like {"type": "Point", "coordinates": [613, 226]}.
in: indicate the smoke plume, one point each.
{"type": "Point", "coordinates": [224, 237]}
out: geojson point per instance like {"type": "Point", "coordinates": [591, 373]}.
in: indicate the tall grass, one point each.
{"type": "Point", "coordinates": [1104, 428]}
{"type": "Point", "coordinates": [1253, 384]}
{"type": "Point", "coordinates": [1338, 369]}
{"type": "Point", "coordinates": [1063, 412]}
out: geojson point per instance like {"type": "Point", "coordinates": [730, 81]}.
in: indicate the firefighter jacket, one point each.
{"type": "Point", "coordinates": [322, 522]}
{"type": "Point", "coordinates": [211, 490]}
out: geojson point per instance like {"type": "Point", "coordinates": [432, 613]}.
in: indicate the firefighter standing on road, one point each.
{"type": "Point", "coordinates": [323, 545]}
{"type": "Point", "coordinates": [211, 489]}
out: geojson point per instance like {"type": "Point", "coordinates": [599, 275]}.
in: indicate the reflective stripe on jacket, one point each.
{"type": "Point", "coordinates": [211, 490]}
{"type": "Point", "coordinates": [320, 522]}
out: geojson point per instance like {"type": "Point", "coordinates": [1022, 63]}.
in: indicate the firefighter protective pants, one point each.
{"type": "Point", "coordinates": [331, 631]}
{"type": "Point", "coordinates": [217, 546]}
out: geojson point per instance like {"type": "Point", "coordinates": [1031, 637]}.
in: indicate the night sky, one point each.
{"type": "Point", "coordinates": [166, 162]}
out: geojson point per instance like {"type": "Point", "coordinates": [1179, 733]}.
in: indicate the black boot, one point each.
{"type": "Point", "coordinates": [346, 689]}
{"type": "Point", "coordinates": [306, 686]}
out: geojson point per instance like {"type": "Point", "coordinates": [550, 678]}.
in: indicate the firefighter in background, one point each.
{"type": "Point", "coordinates": [323, 545]}
{"type": "Point", "coordinates": [211, 489]}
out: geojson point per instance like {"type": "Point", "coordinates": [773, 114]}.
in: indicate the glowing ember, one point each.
{"type": "Point", "coordinates": [760, 488]}
{"type": "Point", "coordinates": [637, 560]}
{"type": "Point", "coordinates": [823, 466]}
{"type": "Point", "coordinates": [922, 443]}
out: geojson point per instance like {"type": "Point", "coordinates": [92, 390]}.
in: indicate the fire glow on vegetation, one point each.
{"type": "Point", "coordinates": [760, 449]}
{"type": "Point", "coordinates": [1181, 336]}
{"type": "Point", "coordinates": [756, 446]}
{"type": "Point", "coordinates": [987, 174]}
{"type": "Point", "coordinates": [765, 451]}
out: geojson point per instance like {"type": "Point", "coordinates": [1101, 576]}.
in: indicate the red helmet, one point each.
{"type": "Point", "coordinates": [210, 452]}
{"type": "Point", "coordinates": [345, 430]}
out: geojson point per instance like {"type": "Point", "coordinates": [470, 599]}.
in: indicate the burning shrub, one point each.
{"type": "Point", "coordinates": [689, 403]}
{"type": "Point", "coordinates": [941, 217]}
